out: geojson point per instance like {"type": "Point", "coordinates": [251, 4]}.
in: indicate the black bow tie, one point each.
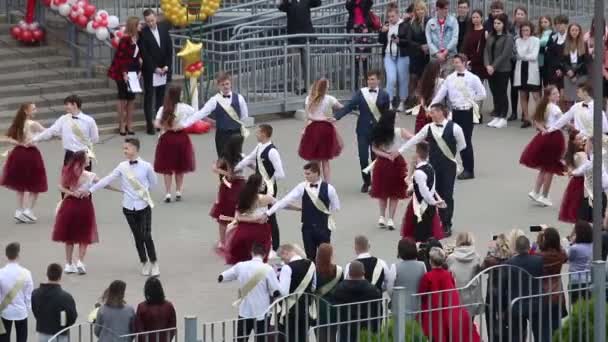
{"type": "Point", "coordinates": [373, 91]}
{"type": "Point", "coordinates": [131, 162]}
{"type": "Point", "coordinates": [226, 96]}
{"type": "Point", "coordinates": [460, 74]}
{"type": "Point", "coordinates": [74, 117]}
{"type": "Point", "coordinates": [585, 105]}
{"type": "Point", "coordinates": [314, 185]}
{"type": "Point", "coordinates": [439, 125]}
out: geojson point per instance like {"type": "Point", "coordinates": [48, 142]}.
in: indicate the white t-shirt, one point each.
{"type": "Point", "coordinates": [323, 110]}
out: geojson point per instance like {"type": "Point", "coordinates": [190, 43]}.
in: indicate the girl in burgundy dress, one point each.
{"type": "Point", "coordinates": [320, 141]}
{"type": "Point", "coordinates": [24, 170]}
{"type": "Point", "coordinates": [231, 184]}
{"type": "Point", "coordinates": [546, 150]}
{"type": "Point", "coordinates": [390, 169]}
{"type": "Point", "coordinates": [75, 219]}
{"type": "Point", "coordinates": [575, 191]}
{"type": "Point", "coordinates": [247, 226]}
{"type": "Point", "coordinates": [174, 152]}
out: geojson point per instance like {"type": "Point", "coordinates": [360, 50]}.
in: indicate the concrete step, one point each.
{"type": "Point", "coordinates": [41, 62]}
{"type": "Point", "coordinates": [39, 76]}
{"type": "Point", "coordinates": [53, 112]}
{"type": "Point", "coordinates": [106, 122]}
{"type": "Point", "coordinates": [56, 99]}
{"type": "Point", "coordinates": [50, 87]}
{"type": "Point", "coordinates": [12, 53]}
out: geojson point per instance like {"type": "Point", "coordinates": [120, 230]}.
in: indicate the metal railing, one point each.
{"type": "Point", "coordinates": [83, 332]}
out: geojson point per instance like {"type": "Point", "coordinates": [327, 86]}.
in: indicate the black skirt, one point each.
{"type": "Point", "coordinates": [524, 79]}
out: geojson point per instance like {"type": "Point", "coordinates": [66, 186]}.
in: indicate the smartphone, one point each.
{"type": "Point", "coordinates": [536, 229]}
{"type": "Point", "coordinates": [494, 237]}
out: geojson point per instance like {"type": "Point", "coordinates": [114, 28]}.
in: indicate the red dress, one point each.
{"type": "Point", "coordinates": [408, 227]}
{"type": "Point", "coordinates": [545, 153]}
{"type": "Point", "coordinates": [571, 201]}
{"type": "Point", "coordinates": [75, 222]}
{"type": "Point", "coordinates": [227, 198]}
{"type": "Point", "coordinates": [421, 119]}
{"type": "Point", "coordinates": [174, 153]}
{"type": "Point", "coordinates": [240, 239]}
{"type": "Point", "coordinates": [320, 141]}
{"type": "Point", "coordinates": [24, 170]}
{"type": "Point", "coordinates": [388, 178]}
{"type": "Point", "coordinates": [444, 325]}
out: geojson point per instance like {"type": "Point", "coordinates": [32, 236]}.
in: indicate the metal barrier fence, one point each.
{"type": "Point", "coordinates": [89, 332]}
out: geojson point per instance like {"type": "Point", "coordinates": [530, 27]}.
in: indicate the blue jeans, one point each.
{"type": "Point", "coordinates": [397, 70]}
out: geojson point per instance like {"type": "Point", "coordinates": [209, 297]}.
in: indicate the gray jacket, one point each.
{"type": "Point", "coordinates": [465, 263]}
{"type": "Point", "coordinates": [498, 52]}
{"type": "Point", "coordinates": [111, 323]}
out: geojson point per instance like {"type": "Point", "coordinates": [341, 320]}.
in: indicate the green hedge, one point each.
{"type": "Point", "coordinates": [413, 333]}
{"type": "Point", "coordinates": [579, 324]}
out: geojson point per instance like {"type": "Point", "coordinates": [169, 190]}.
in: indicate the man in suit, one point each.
{"type": "Point", "coordinates": [522, 282]}
{"type": "Point", "coordinates": [157, 53]}
{"type": "Point", "coordinates": [299, 21]}
{"type": "Point", "coordinates": [371, 102]}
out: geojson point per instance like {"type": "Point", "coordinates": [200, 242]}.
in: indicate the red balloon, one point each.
{"type": "Point", "coordinates": [82, 21]}
{"type": "Point", "coordinates": [16, 32]}
{"type": "Point", "coordinates": [38, 35]}
{"type": "Point", "coordinates": [103, 22]}
{"type": "Point", "coordinates": [104, 16]}
{"type": "Point", "coordinates": [199, 65]}
{"type": "Point", "coordinates": [119, 34]}
{"type": "Point", "coordinates": [89, 10]}
{"type": "Point", "coordinates": [95, 25]}
{"type": "Point", "coordinates": [26, 36]}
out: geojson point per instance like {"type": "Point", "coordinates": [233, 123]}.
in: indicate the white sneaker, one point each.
{"type": "Point", "coordinates": [502, 123]}
{"type": "Point", "coordinates": [493, 122]}
{"type": "Point", "coordinates": [178, 196]}
{"type": "Point", "coordinates": [155, 271]}
{"type": "Point", "coordinates": [381, 222]}
{"type": "Point", "coordinates": [168, 198]}
{"type": "Point", "coordinates": [19, 217]}
{"type": "Point", "coordinates": [145, 269]}
{"type": "Point", "coordinates": [401, 108]}
{"type": "Point", "coordinates": [533, 196]}
{"type": "Point", "coordinates": [69, 268]}
{"type": "Point", "coordinates": [544, 201]}
{"type": "Point", "coordinates": [30, 215]}
{"type": "Point", "coordinates": [390, 224]}
{"type": "Point", "coordinates": [80, 268]}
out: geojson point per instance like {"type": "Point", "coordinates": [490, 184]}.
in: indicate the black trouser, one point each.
{"type": "Point", "coordinates": [156, 94]}
{"type": "Point", "coordinates": [140, 222]}
{"type": "Point", "coordinates": [274, 225]}
{"type": "Point", "coordinates": [244, 327]}
{"type": "Point", "coordinates": [222, 137]}
{"type": "Point", "coordinates": [585, 211]}
{"type": "Point", "coordinates": [424, 227]}
{"type": "Point", "coordinates": [445, 176]}
{"type": "Point", "coordinates": [364, 143]}
{"type": "Point", "coordinates": [464, 119]}
{"type": "Point", "coordinates": [518, 329]}
{"type": "Point", "coordinates": [313, 236]}
{"type": "Point", "coordinates": [514, 91]}
{"type": "Point", "coordinates": [498, 86]}
{"type": "Point", "coordinates": [20, 330]}
{"type": "Point", "coordinates": [296, 324]}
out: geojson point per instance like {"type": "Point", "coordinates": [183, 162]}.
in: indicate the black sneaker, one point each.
{"type": "Point", "coordinates": [365, 188]}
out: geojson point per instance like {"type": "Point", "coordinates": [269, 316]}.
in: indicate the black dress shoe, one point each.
{"type": "Point", "coordinates": [130, 133]}
{"type": "Point", "coordinates": [365, 188]}
{"type": "Point", "coordinates": [122, 133]}
{"type": "Point", "coordinates": [513, 117]}
{"type": "Point", "coordinates": [151, 131]}
{"type": "Point", "coordinates": [465, 175]}
{"type": "Point", "coordinates": [526, 124]}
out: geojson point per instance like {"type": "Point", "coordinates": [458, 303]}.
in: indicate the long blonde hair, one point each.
{"type": "Point", "coordinates": [16, 130]}
{"type": "Point", "coordinates": [317, 93]}
{"type": "Point", "coordinates": [417, 5]}
{"type": "Point", "coordinates": [577, 45]}
{"type": "Point", "coordinates": [132, 27]}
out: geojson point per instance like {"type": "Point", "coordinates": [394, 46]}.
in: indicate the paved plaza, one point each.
{"type": "Point", "coordinates": [494, 202]}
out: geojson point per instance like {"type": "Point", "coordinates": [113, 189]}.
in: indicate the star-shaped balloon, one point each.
{"type": "Point", "coordinates": [190, 53]}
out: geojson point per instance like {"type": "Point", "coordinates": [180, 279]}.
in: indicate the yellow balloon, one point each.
{"type": "Point", "coordinates": [196, 74]}
{"type": "Point", "coordinates": [187, 74]}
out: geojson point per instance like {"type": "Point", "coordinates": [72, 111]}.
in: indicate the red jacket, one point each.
{"type": "Point", "coordinates": [150, 317]}
{"type": "Point", "coordinates": [127, 58]}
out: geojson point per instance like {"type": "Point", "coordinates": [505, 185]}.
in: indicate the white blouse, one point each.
{"type": "Point", "coordinates": [182, 112]}
{"type": "Point", "coordinates": [553, 114]}
{"type": "Point", "coordinates": [322, 110]}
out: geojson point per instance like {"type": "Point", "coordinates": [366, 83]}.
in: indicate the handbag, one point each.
{"type": "Point", "coordinates": [376, 23]}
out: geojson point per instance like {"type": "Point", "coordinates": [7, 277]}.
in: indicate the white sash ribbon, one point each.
{"type": "Point", "coordinates": [10, 296]}
{"type": "Point", "coordinates": [141, 191]}
{"type": "Point", "coordinates": [257, 277]}
{"type": "Point", "coordinates": [82, 138]}
{"type": "Point", "coordinates": [290, 301]}
{"type": "Point", "coordinates": [331, 223]}
{"type": "Point", "coordinates": [264, 174]}
{"type": "Point", "coordinates": [377, 272]}
{"type": "Point", "coordinates": [371, 104]}
{"type": "Point", "coordinates": [233, 114]}
{"type": "Point", "coordinates": [322, 291]}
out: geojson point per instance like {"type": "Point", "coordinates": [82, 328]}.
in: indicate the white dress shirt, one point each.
{"type": "Point", "coordinates": [297, 193]}
{"type": "Point", "coordinates": [583, 119]}
{"type": "Point", "coordinates": [321, 111]}
{"type": "Point", "coordinates": [450, 88]}
{"type": "Point", "coordinates": [587, 166]}
{"type": "Point", "coordinates": [18, 309]}
{"type": "Point", "coordinates": [424, 132]}
{"type": "Point", "coordinates": [63, 128]}
{"type": "Point", "coordinates": [553, 114]}
{"type": "Point", "coordinates": [210, 106]}
{"type": "Point", "coordinates": [156, 34]}
{"type": "Point", "coordinates": [257, 301]}
{"type": "Point", "coordinates": [273, 156]}
{"type": "Point", "coordinates": [420, 178]}
{"type": "Point", "coordinates": [285, 277]}
{"type": "Point", "coordinates": [144, 173]}
{"type": "Point", "coordinates": [373, 95]}
{"type": "Point", "coordinates": [182, 113]}
{"type": "Point", "coordinates": [380, 261]}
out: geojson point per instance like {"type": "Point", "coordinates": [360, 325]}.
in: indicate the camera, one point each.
{"type": "Point", "coordinates": [393, 36]}
{"type": "Point", "coordinates": [536, 229]}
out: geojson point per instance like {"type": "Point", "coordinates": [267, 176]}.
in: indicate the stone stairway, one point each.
{"type": "Point", "coordinates": [44, 75]}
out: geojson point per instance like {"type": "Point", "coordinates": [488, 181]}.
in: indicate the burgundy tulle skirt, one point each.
{"type": "Point", "coordinates": [388, 178]}
{"type": "Point", "coordinates": [174, 153]}
{"type": "Point", "coordinates": [421, 119]}
{"type": "Point", "coordinates": [75, 221]}
{"type": "Point", "coordinates": [320, 141]}
{"type": "Point", "coordinates": [227, 199]}
{"type": "Point", "coordinates": [24, 170]}
{"type": "Point", "coordinates": [545, 153]}
{"type": "Point", "coordinates": [240, 240]}
{"type": "Point", "coordinates": [408, 228]}
{"type": "Point", "coordinates": [571, 201]}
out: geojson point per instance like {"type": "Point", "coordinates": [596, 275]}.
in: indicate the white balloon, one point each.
{"type": "Point", "coordinates": [22, 24]}
{"type": "Point", "coordinates": [54, 6]}
{"type": "Point", "coordinates": [90, 28]}
{"type": "Point", "coordinates": [33, 26]}
{"type": "Point", "coordinates": [102, 11]}
{"type": "Point", "coordinates": [102, 33]}
{"type": "Point", "coordinates": [65, 10]}
{"type": "Point", "coordinates": [113, 22]}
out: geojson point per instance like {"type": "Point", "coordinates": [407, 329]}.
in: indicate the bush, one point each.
{"type": "Point", "coordinates": [579, 324]}
{"type": "Point", "coordinates": [413, 333]}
